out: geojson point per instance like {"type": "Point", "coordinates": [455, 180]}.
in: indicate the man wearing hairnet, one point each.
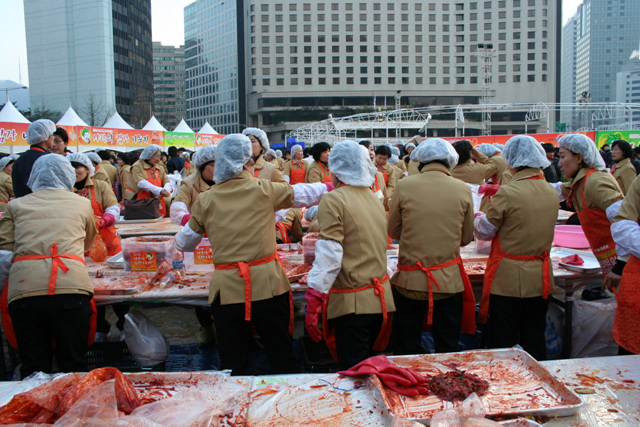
{"type": "Point", "coordinates": [295, 169]}
{"type": "Point", "coordinates": [520, 223]}
{"type": "Point", "coordinates": [260, 147]}
{"type": "Point", "coordinates": [40, 139]}
{"type": "Point", "coordinates": [6, 183]}
{"type": "Point", "coordinates": [249, 287]}
{"type": "Point", "coordinates": [148, 179]}
{"type": "Point", "coordinates": [350, 268]}
{"type": "Point", "coordinates": [432, 215]}
{"type": "Point", "coordinates": [49, 293]}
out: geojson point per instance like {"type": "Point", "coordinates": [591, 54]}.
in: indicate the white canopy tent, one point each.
{"type": "Point", "coordinates": [116, 122]}
{"type": "Point", "coordinates": [71, 118]}
{"type": "Point", "coordinates": [154, 124]}
{"type": "Point", "coordinates": [183, 127]}
{"type": "Point", "coordinates": [207, 129]}
{"type": "Point", "coordinates": [10, 114]}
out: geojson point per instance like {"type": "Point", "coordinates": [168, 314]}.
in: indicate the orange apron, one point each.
{"type": "Point", "coordinates": [283, 230]}
{"type": "Point", "coordinates": [597, 229]}
{"type": "Point", "coordinates": [385, 330]}
{"type": "Point", "coordinates": [108, 234]}
{"type": "Point", "coordinates": [297, 175]}
{"type": "Point", "coordinates": [376, 188]}
{"type": "Point", "coordinates": [385, 173]}
{"type": "Point", "coordinates": [627, 321]}
{"type": "Point", "coordinates": [57, 263]}
{"type": "Point", "coordinates": [157, 181]}
{"type": "Point", "coordinates": [468, 299]}
{"type": "Point", "coordinates": [245, 272]}
{"type": "Point", "coordinates": [327, 177]}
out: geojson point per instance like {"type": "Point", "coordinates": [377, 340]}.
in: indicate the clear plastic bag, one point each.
{"type": "Point", "coordinates": [146, 343]}
{"type": "Point", "coordinates": [471, 407]}
{"type": "Point", "coordinates": [591, 334]}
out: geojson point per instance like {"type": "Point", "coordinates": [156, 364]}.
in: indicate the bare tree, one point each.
{"type": "Point", "coordinates": [42, 111]}
{"type": "Point", "coordinates": [94, 111]}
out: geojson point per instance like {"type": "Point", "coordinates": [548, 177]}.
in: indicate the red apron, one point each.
{"type": "Point", "coordinates": [385, 173]}
{"type": "Point", "coordinates": [327, 177]}
{"type": "Point", "coordinates": [385, 330]}
{"type": "Point", "coordinates": [283, 230]}
{"type": "Point", "coordinates": [245, 272]}
{"type": "Point", "coordinates": [376, 188]}
{"type": "Point", "coordinates": [57, 263]}
{"type": "Point", "coordinates": [597, 229]}
{"type": "Point", "coordinates": [496, 255]}
{"type": "Point", "coordinates": [108, 234]}
{"type": "Point", "coordinates": [157, 181]}
{"type": "Point", "coordinates": [297, 175]}
{"type": "Point", "coordinates": [626, 325]}
{"type": "Point", "coordinates": [468, 299]}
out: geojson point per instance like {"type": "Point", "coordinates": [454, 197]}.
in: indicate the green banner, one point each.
{"type": "Point", "coordinates": [179, 139]}
{"type": "Point", "coordinates": [608, 136]}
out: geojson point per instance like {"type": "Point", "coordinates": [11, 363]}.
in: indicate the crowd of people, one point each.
{"type": "Point", "coordinates": [246, 197]}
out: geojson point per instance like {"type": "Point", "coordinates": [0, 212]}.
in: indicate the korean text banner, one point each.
{"type": "Point", "coordinates": [13, 133]}
{"type": "Point", "coordinates": [179, 139]}
{"type": "Point", "coordinates": [203, 139]}
{"type": "Point", "coordinates": [502, 139]}
{"type": "Point", "coordinates": [105, 137]}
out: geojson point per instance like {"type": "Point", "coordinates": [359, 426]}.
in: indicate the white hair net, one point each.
{"type": "Point", "coordinates": [524, 151]}
{"type": "Point", "coordinates": [39, 131]}
{"type": "Point", "coordinates": [233, 152]}
{"type": "Point", "coordinates": [272, 153]}
{"type": "Point", "coordinates": [410, 145]}
{"type": "Point", "coordinates": [582, 144]}
{"type": "Point", "coordinates": [186, 156]}
{"type": "Point", "coordinates": [393, 159]}
{"type": "Point", "coordinates": [295, 149]}
{"type": "Point", "coordinates": [350, 162]}
{"type": "Point", "coordinates": [83, 160]}
{"type": "Point", "coordinates": [149, 151]}
{"type": "Point", "coordinates": [279, 154]}
{"type": "Point", "coordinates": [93, 157]}
{"type": "Point", "coordinates": [311, 213]}
{"type": "Point", "coordinates": [487, 149]}
{"type": "Point", "coordinates": [388, 144]}
{"type": "Point", "coordinates": [395, 151]}
{"type": "Point", "coordinates": [499, 146]}
{"type": "Point", "coordinates": [205, 155]}
{"type": "Point", "coordinates": [260, 134]}
{"type": "Point", "coordinates": [52, 172]}
{"type": "Point", "coordinates": [433, 149]}
{"type": "Point", "coordinates": [6, 160]}
{"type": "Point", "coordinates": [399, 142]}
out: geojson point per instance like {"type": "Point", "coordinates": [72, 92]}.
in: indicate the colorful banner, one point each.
{"type": "Point", "coordinates": [13, 133]}
{"type": "Point", "coordinates": [179, 139]}
{"type": "Point", "coordinates": [203, 139]}
{"type": "Point", "coordinates": [502, 139]}
{"type": "Point", "coordinates": [607, 137]}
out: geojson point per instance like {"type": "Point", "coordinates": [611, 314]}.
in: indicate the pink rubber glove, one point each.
{"type": "Point", "coordinates": [185, 219]}
{"type": "Point", "coordinates": [107, 220]}
{"type": "Point", "coordinates": [315, 301]}
{"type": "Point", "coordinates": [330, 186]}
{"type": "Point", "coordinates": [477, 214]}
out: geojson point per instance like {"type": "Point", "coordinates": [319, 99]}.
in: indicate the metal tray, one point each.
{"type": "Point", "coordinates": [116, 261]}
{"type": "Point", "coordinates": [519, 385]}
{"type": "Point", "coordinates": [590, 266]}
{"type": "Point", "coordinates": [137, 221]}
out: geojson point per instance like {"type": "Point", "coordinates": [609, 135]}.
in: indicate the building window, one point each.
{"type": "Point", "coordinates": [363, 80]}
{"type": "Point", "coordinates": [308, 81]}
{"type": "Point", "coordinates": [531, 78]}
{"type": "Point", "coordinates": [391, 80]}
{"type": "Point", "coordinates": [265, 82]}
{"type": "Point", "coordinates": [516, 79]}
{"type": "Point", "coordinates": [336, 80]}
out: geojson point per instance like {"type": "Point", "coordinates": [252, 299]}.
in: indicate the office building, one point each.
{"type": "Point", "coordinates": [628, 87]}
{"type": "Point", "coordinates": [603, 34]}
{"type": "Point", "coordinates": [305, 60]}
{"type": "Point", "coordinates": [169, 98]}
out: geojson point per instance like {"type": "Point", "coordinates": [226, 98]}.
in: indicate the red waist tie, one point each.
{"type": "Point", "coordinates": [56, 264]}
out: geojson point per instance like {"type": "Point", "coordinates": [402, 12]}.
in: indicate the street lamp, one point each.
{"type": "Point", "coordinates": [7, 89]}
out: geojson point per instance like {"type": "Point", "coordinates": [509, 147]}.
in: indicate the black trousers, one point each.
{"type": "Point", "coordinates": [270, 318]}
{"type": "Point", "coordinates": [40, 321]}
{"type": "Point", "coordinates": [520, 321]}
{"type": "Point", "coordinates": [409, 317]}
{"type": "Point", "coordinates": [120, 309]}
{"type": "Point", "coordinates": [355, 335]}
{"type": "Point", "coordinates": [203, 314]}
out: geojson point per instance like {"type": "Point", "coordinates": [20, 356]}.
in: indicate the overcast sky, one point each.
{"type": "Point", "coordinates": [167, 27]}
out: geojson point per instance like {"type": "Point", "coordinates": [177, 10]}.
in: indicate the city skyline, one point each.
{"type": "Point", "coordinates": [167, 28]}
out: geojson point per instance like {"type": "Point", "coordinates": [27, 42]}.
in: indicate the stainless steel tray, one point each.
{"type": "Point", "coordinates": [519, 385]}
{"type": "Point", "coordinates": [590, 266]}
{"type": "Point", "coordinates": [137, 221]}
{"type": "Point", "coordinates": [116, 261]}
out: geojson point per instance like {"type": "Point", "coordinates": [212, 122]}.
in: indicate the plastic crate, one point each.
{"type": "Point", "coordinates": [116, 355]}
{"type": "Point", "coordinates": [316, 356]}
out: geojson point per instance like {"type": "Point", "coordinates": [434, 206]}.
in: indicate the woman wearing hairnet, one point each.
{"type": "Point", "coordinates": [6, 184]}
{"type": "Point", "coordinates": [49, 293]}
{"type": "Point", "coordinates": [595, 196]}
{"type": "Point", "coordinates": [40, 139]}
{"type": "Point", "coordinates": [494, 154]}
{"type": "Point", "coordinates": [350, 269]}
{"type": "Point", "coordinates": [296, 168]}
{"type": "Point", "coordinates": [280, 160]}
{"type": "Point", "coordinates": [100, 173]}
{"type": "Point", "coordinates": [249, 287]}
{"type": "Point", "coordinates": [124, 169]}
{"type": "Point", "coordinates": [319, 170]}
{"type": "Point", "coordinates": [432, 216]}
{"type": "Point", "coordinates": [192, 186]}
{"type": "Point", "coordinates": [188, 165]}
{"type": "Point", "coordinates": [625, 231]}
{"type": "Point", "coordinates": [622, 170]}
{"type": "Point", "coordinates": [470, 171]}
{"type": "Point", "coordinates": [259, 147]}
{"type": "Point", "coordinates": [397, 163]}
{"type": "Point", "coordinates": [148, 179]}
{"type": "Point", "coordinates": [271, 157]}
{"type": "Point", "coordinates": [520, 223]}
